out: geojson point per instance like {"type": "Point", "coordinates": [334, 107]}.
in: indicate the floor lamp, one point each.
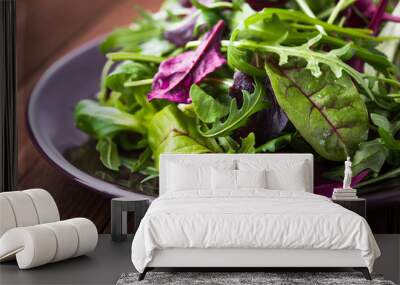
{"type": "Point", "coordinates": [8, 139]}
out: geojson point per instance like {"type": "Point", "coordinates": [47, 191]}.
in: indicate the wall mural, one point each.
{"type": "Point", "coordinates": [201, 82]}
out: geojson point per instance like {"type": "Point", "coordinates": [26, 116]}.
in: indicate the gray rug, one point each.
{"type": "Point", "coordinates": [243, 278]}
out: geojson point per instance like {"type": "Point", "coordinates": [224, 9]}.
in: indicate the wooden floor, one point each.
{"type": "Point", "coordinates": [34, 171]}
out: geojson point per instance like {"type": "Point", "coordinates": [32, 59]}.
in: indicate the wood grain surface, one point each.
{"type": "Point", "coordinates": [47, 30]}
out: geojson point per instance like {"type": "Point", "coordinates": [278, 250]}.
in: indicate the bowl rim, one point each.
{"type": "Point", "coordinates": [53, 157]}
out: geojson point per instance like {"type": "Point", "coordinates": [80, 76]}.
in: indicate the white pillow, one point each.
{"type": "Point", "coordinates": [281, 175]}
{"type": "Point", "coordinates": [184, 175]}
{"type": "Point", "coordinates": [223, 179]}
{"type": "Point", "coordinates": [251, 178]}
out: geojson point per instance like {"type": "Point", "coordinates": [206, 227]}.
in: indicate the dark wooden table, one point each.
{"type": "Point", "coordinates": [34, 171]}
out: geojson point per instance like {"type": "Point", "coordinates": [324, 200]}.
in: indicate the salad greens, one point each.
{"type": "Point", "coordinates": [205, 76]}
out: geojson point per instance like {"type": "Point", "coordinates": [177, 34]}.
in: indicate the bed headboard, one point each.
{"type": "Point", "coordinates": [202, 159]}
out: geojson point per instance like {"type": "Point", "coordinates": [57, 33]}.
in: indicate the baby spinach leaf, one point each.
{"type": "Point", "coordinates": [247, 145]}
{"type": "Point", "coordinates": [327, 111]}
{"type": "Point", "coordinates": [108, 153]}
{"type": "Point", "coordinates": [388, 140]}
{"type": "Point", "coordinates": [135, 165]}
{"type": "Point", "coordinates": [252, 103]}
{"type": "Point", "coordinates": [275, 144]}
{"type": "Point", "coordinates": [208, 108]}
{"type": "Point", "coordinates": [381, 121]}
{"type": "Point", "coordinates": [386, 131]}
{"type": "Point", "coordinates": [101, 121]}
{"type": "Point", "coordinates": [170, 132]}
{"type": "Point", "coordinates": [370, 155]}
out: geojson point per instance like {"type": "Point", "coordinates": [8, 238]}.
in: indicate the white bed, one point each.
{"type": "Point", "coordinates": [248, 226]}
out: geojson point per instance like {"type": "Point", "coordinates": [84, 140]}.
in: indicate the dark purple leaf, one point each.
{"type": "Point", "coordinates": [176, 75]}
{"type": "Point", "coordinates": [183, 33]}
{"type": "Point", "coordinates": [356, 63]}
{"type": "Point", "coordinates": [370, 11]}
{"type": "Point", "coordinates": [377, 17]}
{"type": "Point", "coordinates": [241, 81]}
{"type": "Point", "coordinates": [266, 124]}
{"type": "Point", "coordinates": [272, 120]}
{"type": "Point", "coordinates": [326, 189]}
{"type": "Point", "coordinates": [258, 5]}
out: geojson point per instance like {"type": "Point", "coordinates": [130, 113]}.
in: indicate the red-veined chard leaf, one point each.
{"type": "Point", "coordinates": [176, 75]}
{"type": "Point", "coordinates": [327, 111]}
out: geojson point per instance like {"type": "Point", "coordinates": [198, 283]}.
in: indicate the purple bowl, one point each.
{"type": "Point", "coordinates": [50, 121]}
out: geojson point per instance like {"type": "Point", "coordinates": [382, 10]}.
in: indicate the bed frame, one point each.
{"type": "Point", "coordinates": [242, 259]}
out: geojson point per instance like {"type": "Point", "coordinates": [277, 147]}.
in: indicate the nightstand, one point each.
{"type": "Point", "coordinates": [357, 205]}
{"type": "Point", "coordinates": [119, 209]}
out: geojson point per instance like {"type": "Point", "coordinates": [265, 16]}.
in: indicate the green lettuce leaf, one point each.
{"type": "Point", "coordinates": [108, 153]}
{"type": "Point", "coordinates": [170, 131]}
{"type": "Point", "coordinates": [102, 121]}
{"type": "Point", "coordinates": [206, 107]}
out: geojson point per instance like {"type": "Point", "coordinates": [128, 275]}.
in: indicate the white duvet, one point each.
{"type": "Point", "coordinates": [250, 219]}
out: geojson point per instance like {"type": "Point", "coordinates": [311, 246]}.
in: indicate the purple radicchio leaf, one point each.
{"type": "Point", "coordinates": [377, 17]}
{"type": "Point", "coordinates": [241, 81]}
{"type": "Point", "coordinates": [176, 75]}
{"type": "Point", "coordinates": [326, 189]}
{"type": "Point", "coordinates": [370, 11]}
{"type": "Point", "coordinates": [273, 119]}
{"type": "Point", "coordinates": [258, 5]}
{"type": "Point", "coordinates": [184, 32]}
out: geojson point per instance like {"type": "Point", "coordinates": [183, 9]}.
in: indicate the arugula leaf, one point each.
{"type": "Point", "coordinates": [327, 111]}
{"type": "Point", "coordinates": [247, 144]}
{"type": "Point", "coordinates": [269, 31]}
{"type": "Point", "coordinates": [108, 153]}
{"type": "Point", "coordinates": [145, 29]}
{"type": "Point", "coordinates": [300, 17]}
{"type": "Point", "coordinates": [240, 59]}
{"type": "Point", "coordinates": [102, 121]}
{"type": "Point", "coordinates": [206, 107]}
{"type": "Point", "coordinates": [252, 103]}
{"type": "Point", "coordinates": [228, 144]}
{"type": "Point", "coordinates": [129, 39]}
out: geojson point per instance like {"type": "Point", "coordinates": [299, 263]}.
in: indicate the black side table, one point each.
{"type": "Point", "coordinates": [119, 209]}
{"type": "Point", "coordinates": [357, 205]}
